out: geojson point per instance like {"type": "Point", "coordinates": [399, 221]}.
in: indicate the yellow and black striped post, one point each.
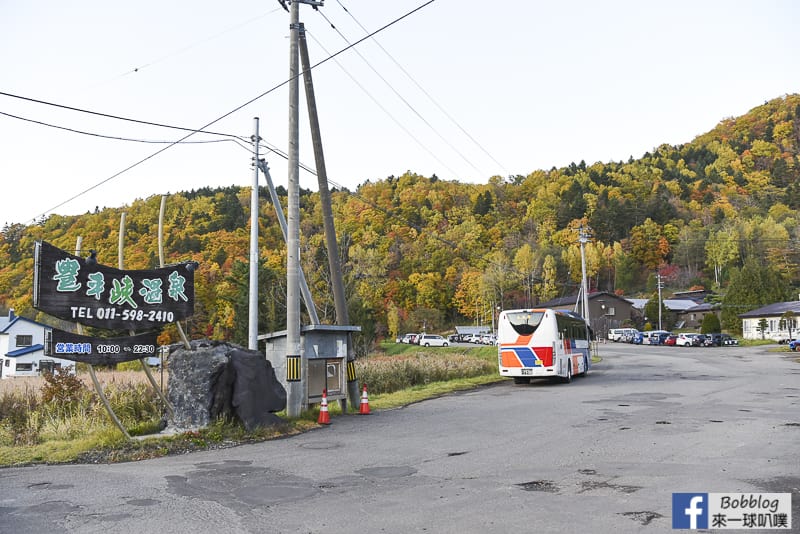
{"type": "Point", "coordinates": [351, 370]}
{"type": "Point", "coordinates": [293, 368]}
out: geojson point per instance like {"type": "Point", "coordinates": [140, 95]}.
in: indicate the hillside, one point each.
{"type": "Point", "coordinates": [424, 251]}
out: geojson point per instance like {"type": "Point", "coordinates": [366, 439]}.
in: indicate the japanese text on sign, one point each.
{"type": "Point", "coordinates": [73, 289]}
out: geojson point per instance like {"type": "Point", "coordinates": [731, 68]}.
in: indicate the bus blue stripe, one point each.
{"type": "Point", "coordinates": [526, 356]}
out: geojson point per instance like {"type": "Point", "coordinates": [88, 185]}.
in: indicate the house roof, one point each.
{"type": "Point", "coordinates": [679, 305]}
{"type": "Point", "coordinates": [11, 321]}
{"type": "Point", "coordinates": [773, 310]}
{"type": "Point", "coordinates": [566, 301]}
{"type": "Point", "coordinates": [675, 305]}
{"type": "Point", "coordinates": [704, 307]}
{"type": "Point", "coordinates": [473, 329]}
{"type": "Point", "coordinates": [25, 350]}
{"type": "Point", "coordinates": [639, 304]}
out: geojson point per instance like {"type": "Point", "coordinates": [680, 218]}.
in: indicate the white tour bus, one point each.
{"type": "Point", "coordinates": [542, 343]}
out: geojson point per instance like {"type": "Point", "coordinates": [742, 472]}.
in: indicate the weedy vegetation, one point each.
{"type": "Point", "coordinates": [59, 418]}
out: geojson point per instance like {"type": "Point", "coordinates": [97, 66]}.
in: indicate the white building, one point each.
{"type": "Point", "coordinates": [22, 348]}
{"type": "Point", "coordinates": [778, 325]}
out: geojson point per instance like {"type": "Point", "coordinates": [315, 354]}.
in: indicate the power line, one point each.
{"type": "Point", "coordinates": [414, 81]}
{"type": "Point", "coordinates": [192, 45]}
{"type": "Point", "coordinates": [202, 128]}
{"type": "Point", "coordinates": [113, 137]}
{"type": "Point", "coordinates": [383, 108]}
{"type": "Point", "coordinates": [115, 117]}
{"type": "Point", "coordinates": [361, 198]}
{"type": "Point", "coordinates": [406, 102]}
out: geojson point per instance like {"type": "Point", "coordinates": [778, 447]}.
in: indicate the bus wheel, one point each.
{"type": "Point", "coordinates": [567, 379]}
{"type": "Point", "coordinates": [522, 380]}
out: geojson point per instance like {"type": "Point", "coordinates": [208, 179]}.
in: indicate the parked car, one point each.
{"type": "Point", "coordinates": [432, 340]}
{"type": "Point", "coordinates": [620, 334]}
{"type": "Point", "coordinates": [407, 338]}
{"type": "Point", "coordinates": [629, 337]}
{"type": "Point", "coordinates": [794, 345]}
{"type": "Point", "coordinates": [699, 340]}
{"type": "Point", "coordinates": [685, 340]}
{"type": "Point", "coordinates": [728, 340]}
{"type": "Point", "coordinates": [474, 338]}
{"type": "Point", "coordinates": [670, 340]}
{"type": "Point", "coordinates": [654, 337]}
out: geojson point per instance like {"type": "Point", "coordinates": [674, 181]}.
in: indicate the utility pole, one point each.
{"type": "Point", "coordinates": [660, 285]}
{"type": "Point", "coordinates": [583, 238]}
{"type": "Point", "coordinates": [304, 290]}
{"type": "Point", "coordinates": [294, 367]}
{"type": "Point", "coordinates": [252, 330]}
{"type": "Point", "coordinates": [339, 300]}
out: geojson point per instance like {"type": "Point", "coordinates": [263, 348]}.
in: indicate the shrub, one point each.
{"type": "Point", "coordinates": [62, 387]}
{"type": "Point", "coordinates": [386, 374]}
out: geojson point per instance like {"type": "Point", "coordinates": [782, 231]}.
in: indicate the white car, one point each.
{"type": "Point", "coordinates": [432, 340]}
{"type": "Point", "coordinates": [685, 340]}
{"type": "Point", "coordinates": [407, 338]}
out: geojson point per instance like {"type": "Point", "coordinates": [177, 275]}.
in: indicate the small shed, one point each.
{"type": "Point", "coordinates": [323, 365]}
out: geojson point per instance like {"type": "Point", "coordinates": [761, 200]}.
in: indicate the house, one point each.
{"type": "Point", "coordinates": [688, 312]}
{"type": "Point", "coordinates": [606, 311]}
{"type": "Point", "coordinates": [22, 348]}
{"type": "Point", "coordinates": [692, 317]}
{"type": "Point", "coordinates": [464, 331]}
{"type": "Point", "coordinates": [773, 317]}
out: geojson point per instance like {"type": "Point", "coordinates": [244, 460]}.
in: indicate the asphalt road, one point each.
{"type": "Point", "coordinates": [602, 454]}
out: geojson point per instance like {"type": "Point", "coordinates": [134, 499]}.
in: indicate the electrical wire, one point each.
{"type": "Point", "coordinates": [414, 81]}
{"type": "Point", "coordinates": [398, 95]}
{"type": "Point", "coordinates": [202, 128]}
{"type": "Point", "coordinates": [192, 45]}
{"type": "Point", "coordinates": [361, 198]}
{"type": "Point", "coordinates": [115, 117]}
{"type": "Point", "coordinates": [113, 137]}
{"type": "Point", "coordinates": [386, 111]}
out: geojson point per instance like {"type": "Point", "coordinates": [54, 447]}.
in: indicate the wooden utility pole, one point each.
{"type": "Point", "coordinates": [339, 300]}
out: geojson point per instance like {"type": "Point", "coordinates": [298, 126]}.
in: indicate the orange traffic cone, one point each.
{"type": "Point", "coordinates": [364, 408]}
{"type": "Point", "coordinates": [324, 416]}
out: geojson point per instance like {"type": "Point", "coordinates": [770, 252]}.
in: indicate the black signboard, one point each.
{"type": "Point", "coordinates": [77, 289]}
{"type": "Point", "coordinates": [99, 350]}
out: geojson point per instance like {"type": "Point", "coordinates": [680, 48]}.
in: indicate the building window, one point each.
{"type": "Point", "coordinates": [24, 340]}
{"type": "Point", "coordinates": [611, 310]}
{"type": "Point", "coordinates": [24, 367]}
{"type": "Point", "coordinates": [8, 363]}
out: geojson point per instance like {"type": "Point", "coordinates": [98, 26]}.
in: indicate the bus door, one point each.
{"type": "Point", "coordinates": [560, 354]}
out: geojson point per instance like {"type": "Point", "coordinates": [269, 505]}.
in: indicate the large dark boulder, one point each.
{"type": "Point", "coordinates": [214, 379]}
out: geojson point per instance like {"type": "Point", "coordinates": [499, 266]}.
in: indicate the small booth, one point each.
{"type": "Point", "coordinates": [323, 352]}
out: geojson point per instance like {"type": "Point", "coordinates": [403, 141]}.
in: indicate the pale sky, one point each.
{"type": "Point", "coordinates": [463, 89]}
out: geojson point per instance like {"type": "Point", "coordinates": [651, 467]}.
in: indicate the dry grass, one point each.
{"type": "Point", "coordinates": [105, 377]}
{"type": "Point", "coordinates": [61, 418]}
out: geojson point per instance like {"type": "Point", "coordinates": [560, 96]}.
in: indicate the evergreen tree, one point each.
{"type": "Point", "coordinates": [710, 324]}
{"type": "Point", "coordinates": [753, 286]}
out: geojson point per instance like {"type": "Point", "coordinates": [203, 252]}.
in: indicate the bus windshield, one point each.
{"type": "Point", "coordinates": [525, 322]}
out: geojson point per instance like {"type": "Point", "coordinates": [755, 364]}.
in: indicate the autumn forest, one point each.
{"type": "Point", "coordinates": [719, 212]}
